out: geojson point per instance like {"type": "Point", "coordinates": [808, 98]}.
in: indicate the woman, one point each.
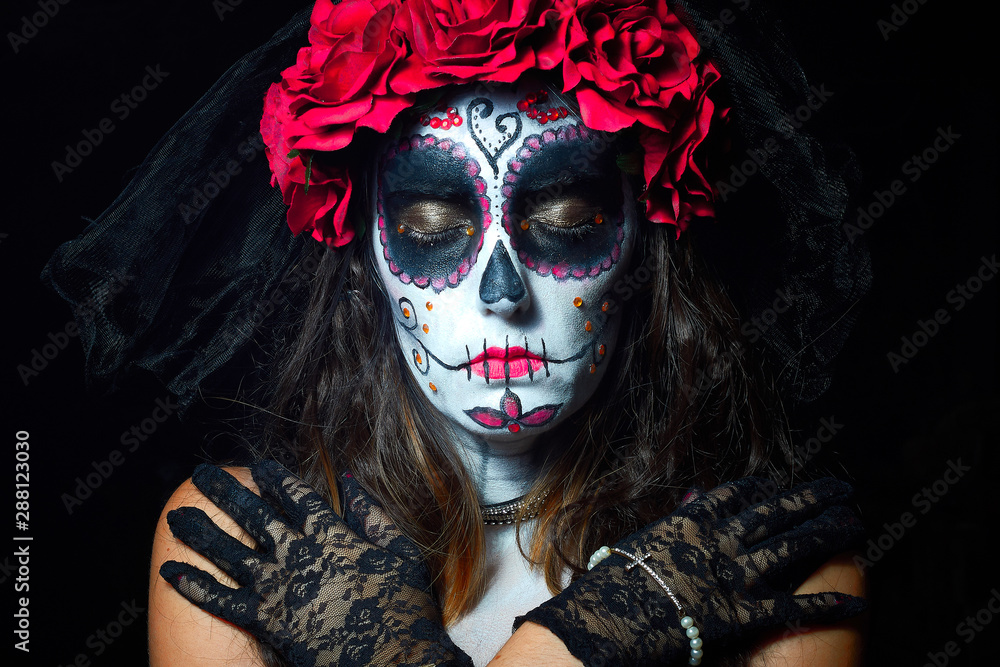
{"type": "Point", "coordinates": [504, 393]}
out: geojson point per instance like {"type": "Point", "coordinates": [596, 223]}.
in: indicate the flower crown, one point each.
{"type": "Point", "coordinates": [630, 64]}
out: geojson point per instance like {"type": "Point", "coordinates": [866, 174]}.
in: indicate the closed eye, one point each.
{"type": "Point", "coordinates": [425, 218]}
{"type": "Point", "coordinates": [429, 239]}
{"type": "Point", "coordinates": [579, 230]}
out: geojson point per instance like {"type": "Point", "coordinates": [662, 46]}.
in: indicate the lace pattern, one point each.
{"type": "Point", "coordinates": [321, 590]}
{"type": "Point", "coordinates": [728, 561]}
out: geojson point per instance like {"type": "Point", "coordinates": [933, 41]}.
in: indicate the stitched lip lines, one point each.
{"type": "Point", "coordinates": [504, 363]}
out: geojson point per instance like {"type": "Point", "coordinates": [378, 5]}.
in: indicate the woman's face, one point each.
{"type": "Point", "coordinates": [498, 239]}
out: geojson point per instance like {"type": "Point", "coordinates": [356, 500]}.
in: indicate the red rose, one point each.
{"type": "Point", "coordinates": [322, 209]}
{"type": "Point", "coordinates": [467, 40]}
{"type": "Point", "coordinates": [634, 63]}
{"type": "Point", "coordinates": [630, 64]}
{"type": "Point", "coordinates": [336, 85]}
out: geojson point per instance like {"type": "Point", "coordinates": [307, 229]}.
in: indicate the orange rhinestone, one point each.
{"type": "Point", "coordinates": [433, 388]}
{"type": "Point", "coordinates": [406, 313]}
{"type": "Point", "coordinates": [401, 229]}
{"type": "Point", "coordinates": [419, 359]}
{"type": "Point", "coordinates": [427, 329]}
{"type": "Point", "coordinates": [524, 224]}
{"type": "Point", "coordinates": [588, 326]}
{"type": "Point", "coordinates": [601, 350]}
{"type": "Point", "coordinates": [470, 230]}
{"type": "Point", "coordinates": [604, 306]}
{"type": "Point", "coordinates": [593, 368]}
{"type": "Point", "coordinates": [577, 302]}
{"type": "Point", "coordinates": [430, 305]}
{"type": "Point", "coordinates": [599, 218]}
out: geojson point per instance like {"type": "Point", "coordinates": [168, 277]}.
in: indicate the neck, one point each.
{"type": "Point", "coordinates": [501, 470]}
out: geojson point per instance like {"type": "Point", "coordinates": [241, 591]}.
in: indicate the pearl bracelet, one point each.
{"type": "Point", "coordinates": [686, 621]}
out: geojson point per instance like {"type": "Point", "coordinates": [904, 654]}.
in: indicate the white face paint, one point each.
{"type": "Point", "coordinates": [498, 241]}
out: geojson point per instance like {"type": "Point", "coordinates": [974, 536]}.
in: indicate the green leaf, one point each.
{"type": "Point", "coordinates": [309, 166]}
{"type": "Point", "coordinates": [294, 153]}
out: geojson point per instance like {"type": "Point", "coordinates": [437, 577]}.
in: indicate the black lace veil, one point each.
{"type": "Point", "coordinates": [198, 238]}
{"type": "Point", "coordinates": [200, 232]}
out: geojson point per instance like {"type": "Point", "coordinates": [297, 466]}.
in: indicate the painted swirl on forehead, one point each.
{"type": "Point", "coordinates": [563, 203]}
{"type": "Point", "coordinates": [508, 125]}
{"type": "Point", "coordinates": [432, 211]}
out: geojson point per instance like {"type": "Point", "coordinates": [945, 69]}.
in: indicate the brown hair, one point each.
{"type": "Point", "coordinates": [683, 404]}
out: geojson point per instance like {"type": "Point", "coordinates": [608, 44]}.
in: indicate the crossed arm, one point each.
{"type": "Point", "coordinates": [182, 634]}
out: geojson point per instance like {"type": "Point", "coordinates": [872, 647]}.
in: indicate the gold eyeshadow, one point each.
{"type": "Point", "coordinates": [565, 212]}
{"type": "Point", "coordinates": [433, 216]}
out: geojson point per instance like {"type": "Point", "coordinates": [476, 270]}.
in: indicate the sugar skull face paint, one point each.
{"type": "Point", "coordinates": [432, 211]}
{"type": "Point", "coordinates": [502, 324]}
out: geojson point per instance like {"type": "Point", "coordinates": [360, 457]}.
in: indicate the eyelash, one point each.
{"type": "Point", "coordinates": [446, 236]}
{"type": "Point", "coordinates": [577, 231]}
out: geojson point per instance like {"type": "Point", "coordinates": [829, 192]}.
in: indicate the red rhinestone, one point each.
{"type": "Point", "coordinates": [514, 428]}
{"type": "Point", "coordinates": [522, 105]}
{"type": "Point", "coordinates": [542, 95]}
{"type": "Point", "coordinates": [563, 111]}
{"type": "Point", "coordinates": [531, 98]}
{"type": "Point", "coordinates": [456, 121]}
{"type": "Point", "coordinates": [553, 114]}
{"type": "Point", "coordinates": [532, 113]}
{"type": "Point", "coordinates": [435, 123]}
{"type": "Point", "coordinates": [452, 111]}
{"type": "Point", "coordinates": [425, 121]}
{"type": "Point", "coordinates": [542, 118]}
{"type": "Point", "coordinates": [446, 124]}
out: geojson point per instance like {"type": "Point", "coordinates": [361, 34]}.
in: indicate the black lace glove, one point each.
{"type": "Point", "coordinates": [722, 555]}
{"type": "Point", "coordinates": [315, 591]}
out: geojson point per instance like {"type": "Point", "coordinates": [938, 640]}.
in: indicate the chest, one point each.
{"type": "Point", "coordinates": [513, 588]}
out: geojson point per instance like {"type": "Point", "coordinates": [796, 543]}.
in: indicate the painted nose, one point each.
{"type": "Point", "coordinates": [501, 288]}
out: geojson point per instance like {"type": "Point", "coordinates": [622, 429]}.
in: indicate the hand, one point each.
{"type": "Point", "coordinates": [314, 590]}
{"type": "Point", "coordinates": [726, 560]}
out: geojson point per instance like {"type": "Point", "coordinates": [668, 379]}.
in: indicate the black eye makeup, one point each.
{"type": "Point", "coordinates": [432, 211]}
{"type": "Point", "coordinates": [563, 203]}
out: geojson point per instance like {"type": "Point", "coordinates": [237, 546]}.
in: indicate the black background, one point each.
{"type": "Point", "coordinates": [899, 429]}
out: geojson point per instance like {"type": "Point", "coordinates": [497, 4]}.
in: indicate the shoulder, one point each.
{"type": "Point", "coordinates": [179, 632]}
{"type": "Point", "coordinates": [836, 645]}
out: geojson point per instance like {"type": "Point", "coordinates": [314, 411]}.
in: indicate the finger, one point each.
{"type": "Point", "coordinates": [235, 605]}
{"type": "Point", "coordinates": [823, 608]}
{"type": "Point", "coordinates": [307, 511]}
{"type": "Point", "coordinates": [807, 544]}
{"type": "Point", "coordinates": [775, 515]}
{"type": "Point", "coordinates": [728, 499]}
{"type": "Point", "coordinates": [797, 612]}
{"type": "Point", "coordinates": [248, 509]}
{"type": "Point", "coordinates": [367, 518]}
{"type": "Point", "coordinates": [194, 528]}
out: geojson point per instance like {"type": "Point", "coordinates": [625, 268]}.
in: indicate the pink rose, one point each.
{"type": "Point", "coordinates": [630, 64]}
{"type": "Point", "coordinates": [467, 40]}
{"type": "Point", "coordinates": [336, 85]}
